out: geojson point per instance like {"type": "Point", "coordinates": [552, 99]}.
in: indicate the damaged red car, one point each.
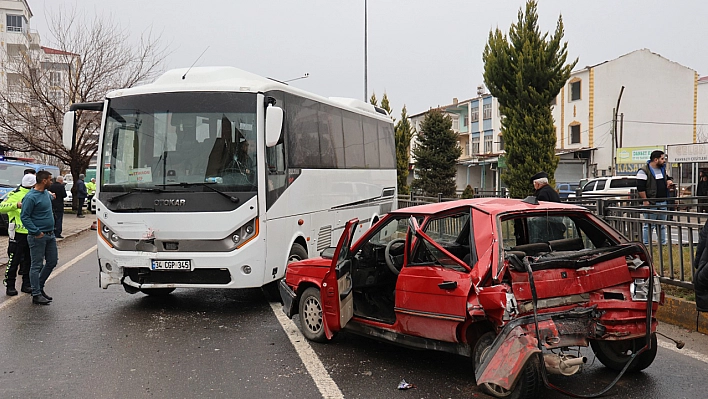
{"type": "Point", "coordinates": [516, 285]}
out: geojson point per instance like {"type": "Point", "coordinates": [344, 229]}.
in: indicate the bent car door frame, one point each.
{"type": "Point", "coordinates": [336, 293]}
{"type": "Point", "coordinates": [431, 301]}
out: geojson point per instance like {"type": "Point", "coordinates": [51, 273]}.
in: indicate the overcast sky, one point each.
{"type": "Point", "coordinates": [422, 53]}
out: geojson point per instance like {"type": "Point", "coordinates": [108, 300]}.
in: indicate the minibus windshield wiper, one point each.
{"type": "Point", "coordinates": [207, 185]}
{"type": "Point", "coordinates": [136, 190]}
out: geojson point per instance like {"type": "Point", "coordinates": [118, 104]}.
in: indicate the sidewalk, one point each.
{"type": "Point", "coordinates": [72, 225]}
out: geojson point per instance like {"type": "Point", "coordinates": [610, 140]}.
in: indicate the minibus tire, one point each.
{"type": "Point", "coordinates": [157, 291]}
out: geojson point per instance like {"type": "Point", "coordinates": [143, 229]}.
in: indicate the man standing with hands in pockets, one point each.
{"type": "Point", "coordinates": [38, 219]}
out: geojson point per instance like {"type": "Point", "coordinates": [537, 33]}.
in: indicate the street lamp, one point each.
{"type": "Point", "coordinates": [366, 78]}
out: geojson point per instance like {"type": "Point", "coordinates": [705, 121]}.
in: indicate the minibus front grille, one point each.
{"type": "Point", "coordinates": [143, 275]}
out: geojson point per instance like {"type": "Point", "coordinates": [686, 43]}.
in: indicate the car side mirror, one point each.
{"type": "Point", "coordinates": [274, 125]}
{"type": "Point", "coordinates": [328, 253]}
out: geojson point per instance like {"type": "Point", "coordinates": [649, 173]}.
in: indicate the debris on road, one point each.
{"type": "Point", "coordinates": [404, 385]}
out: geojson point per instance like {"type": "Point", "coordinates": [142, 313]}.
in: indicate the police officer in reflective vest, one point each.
{"type": "Point", "coordinates": [91, 191]}
{"type": "Point", "coordinates": [18, 249]}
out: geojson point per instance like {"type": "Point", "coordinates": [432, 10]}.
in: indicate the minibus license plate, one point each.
{"type": "Point", "coordinates": [171, 265]}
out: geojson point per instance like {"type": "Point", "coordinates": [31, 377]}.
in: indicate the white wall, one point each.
{"type": "Point", "coordinates": [656, 91]}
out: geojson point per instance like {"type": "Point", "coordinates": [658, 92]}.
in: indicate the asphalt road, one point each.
{"type": "Point", "coordinates": [229, 344]}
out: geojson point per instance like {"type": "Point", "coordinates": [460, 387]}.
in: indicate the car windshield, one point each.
{"type": "Point", "coordinates": [11, 175]}
{"type": "Point", "coordinates": [165, 139]}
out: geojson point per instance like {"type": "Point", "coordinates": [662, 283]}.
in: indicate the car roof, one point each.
{"type": "Point", "coordinates": [488, 205]}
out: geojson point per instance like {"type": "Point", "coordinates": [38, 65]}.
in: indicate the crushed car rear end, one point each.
{"type": "Point", "coordinates": [566, 280]}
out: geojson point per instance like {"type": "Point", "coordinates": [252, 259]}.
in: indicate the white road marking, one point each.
{"type": "Point", "coordinates": [686, 352]}
{"type": "Point", "coordinates": [328, 388]}
{"type": "Point", "coordinates": [55, 273]}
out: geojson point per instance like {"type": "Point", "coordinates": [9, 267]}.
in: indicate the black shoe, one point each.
{"type": "Point", "coordinates": [44, 294]}
{"type": "Point", "coordinates": [11, 291]}
{"type": "Point", "coordinates": [80, 216]}
{"type": "Point", "coordinates": [27, 289]}
{"type": "Point", "coordinates": [59, 236]}
{"type": "Point", "coordinates": [40, 300]}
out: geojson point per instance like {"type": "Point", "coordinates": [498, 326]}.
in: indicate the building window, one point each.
{"type": "Point", "coordinates": [15, 23]}
{"type": "Point", "coordinates": [475, 145]}
{"type": "Point", "coordinates": [575, 134]}
{"type": "Point", "coordinates": [488, 143]}
{"type": "Point", "coordinates": [475, 114]}
{"type": "Point", "coordinates": [456, 125]}
{"type": "Point", "coordinates": [487, 111]}
{"type": "Point", "coordinates": [56, 96]}
{"type": "Point", "coordinates": [466, 121]}
{"type": "Point", "coordinates": [501, 143]}
{"type": "Point", "coordinates": [574, 87]}
{"type": "Point", "coordinates": [55, 78]}
{"type": "Point", "coordinates": [14, 81]}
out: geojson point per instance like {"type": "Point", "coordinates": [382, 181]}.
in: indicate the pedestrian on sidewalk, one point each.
{"type": "Point", "coordinates": [59, 191]}
{"type": "Point", "coordinates": [544, 192]}
{"type": "Point", "coordinates": [91, 191]}
{"type": "Point", "coordinates": [38, 218]}
{"type": "Point", "coordinates": [700, 270]}
{"type": "Point", "coordinates": [18, 252]}
{"type": "Point", "coordinates": [652, 185]}
{"type": "Point", "coordinates": [81, 194]}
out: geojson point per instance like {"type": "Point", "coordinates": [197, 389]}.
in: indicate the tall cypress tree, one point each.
{"type": "Point", "coordinates": [525, 72]}
{"type": "Point", "coordinates": [373, 101]}
{"type": "Point", "coordinates": [385, 104]}
{"type": "Point", "coordinates": [404, 134]}
{"type": "Point", "coordinates": [436, 155]}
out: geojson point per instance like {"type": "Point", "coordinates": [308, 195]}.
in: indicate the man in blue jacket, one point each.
{"type": "Point", "coordinates": [81, 194]}
{"type": "Point", "coordinates": [38, 219]}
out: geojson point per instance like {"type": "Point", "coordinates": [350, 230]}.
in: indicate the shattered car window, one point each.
{"type": "Point", "coordinates": [450, 232]}
{"type": "Point", "coordinates": [561, 232]}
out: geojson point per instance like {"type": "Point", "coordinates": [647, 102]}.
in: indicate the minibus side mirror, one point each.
{"type": "Point", "coordinates": [273, 125]}
{"type": "Point", "coordinates": [69, 129]}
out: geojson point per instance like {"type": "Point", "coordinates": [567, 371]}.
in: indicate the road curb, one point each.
{"type": "Point", "coordinates": [682, 313]}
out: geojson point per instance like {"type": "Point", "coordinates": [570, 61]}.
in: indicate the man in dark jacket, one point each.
{"type": "Point", "coordinates": [81, 194]}
{"type": "Point", "coordinates": [544, 192]}
{"type": "Point", "coordinates": [700, 276]}
{"type": "Point", "coordinates": [58, 204]}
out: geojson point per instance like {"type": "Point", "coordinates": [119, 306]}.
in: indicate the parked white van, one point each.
{"type": "Point", "coordinates": [611, 185]}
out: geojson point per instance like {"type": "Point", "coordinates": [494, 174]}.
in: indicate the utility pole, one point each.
{"type": "Point", "coordinates": [614, 131]}
{"type": "Point", "coordinates": [366, 65]}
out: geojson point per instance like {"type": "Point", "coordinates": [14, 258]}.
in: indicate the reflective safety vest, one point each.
{"type": "Point", "coordinates": [91, 188]}
{"type": "Point", "coordinates": [9, 206]}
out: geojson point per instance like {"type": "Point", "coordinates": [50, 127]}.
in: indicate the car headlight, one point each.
{"type": "Point", "coordinates": [640, 289]}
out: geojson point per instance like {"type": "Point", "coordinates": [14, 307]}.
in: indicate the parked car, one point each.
{"type": "Point", "coordinates": [620, 186]}
{"type": "Point", "coordinates": [480, 278]}
{"type": "Point", "coordinates": [69, 197]}
{"type": "Point", "coordinates": [564, 189]}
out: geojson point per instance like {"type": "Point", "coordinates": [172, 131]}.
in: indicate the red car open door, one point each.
{"type": "Point", "coordinates": [337, 284]}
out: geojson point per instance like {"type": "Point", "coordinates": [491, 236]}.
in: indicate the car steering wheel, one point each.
{"type": "Point", "coordinates": [389, 258]}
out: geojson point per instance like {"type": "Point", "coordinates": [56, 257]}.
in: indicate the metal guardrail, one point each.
{"type": "Point", "coordinates": [681, 221]}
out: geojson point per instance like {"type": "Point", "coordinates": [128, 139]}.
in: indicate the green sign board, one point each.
{"type": "Point", "coordinates": [501, 162]}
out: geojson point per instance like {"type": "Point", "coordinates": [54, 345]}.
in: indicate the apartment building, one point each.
{"type": "Point", "coordinates": [477, 123]}
{"type": "Point", "coordinates": [658, 107]}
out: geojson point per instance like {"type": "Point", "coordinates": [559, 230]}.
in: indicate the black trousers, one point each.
{"type": "Point", "coordinates": [58, 220]}
{"type": "Point", "coordinates": [80, 211]}
{"type": "Point", "coordinates": [18, 252]}
{"type": "Point", "coordinates": [88, 203]}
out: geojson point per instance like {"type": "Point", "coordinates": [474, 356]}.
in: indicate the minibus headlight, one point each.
{"type": "Point", "coordinates": [245, 233]}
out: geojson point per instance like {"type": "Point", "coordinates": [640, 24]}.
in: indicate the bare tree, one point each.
{"type": "Point", "coordinates": [88, 57]}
